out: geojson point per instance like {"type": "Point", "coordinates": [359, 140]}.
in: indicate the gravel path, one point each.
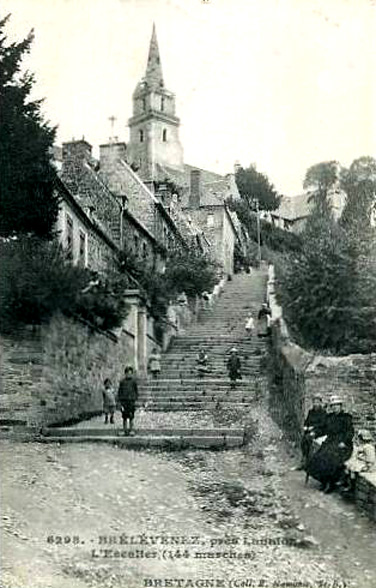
{"type": "Point", "coordinates": [244, 512]}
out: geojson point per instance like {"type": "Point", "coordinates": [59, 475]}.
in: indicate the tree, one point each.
{"type": "Point", "coordinates": [253, 185]}
{"type": "Point", "coordinates": [359, 183]}
{"type": "Point", "coordinates": [328, 288]}
{"type": "Point", "coordinates": [321, 177]}
{"type": "Point", "coordinates": [27, 200]}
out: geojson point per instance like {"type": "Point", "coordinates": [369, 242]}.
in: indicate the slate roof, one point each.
{"type": "Point", "coordinates": [293, 207]}
{"type": "Point", "coordinates": [215, 188]}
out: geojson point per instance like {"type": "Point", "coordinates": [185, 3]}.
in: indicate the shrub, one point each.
{"type": "Point", "coordinates": [38, 281]}
{"type": "Point", "coordinates": [328, 290]}
{"type": "Point", "coordinates": [190, 272]}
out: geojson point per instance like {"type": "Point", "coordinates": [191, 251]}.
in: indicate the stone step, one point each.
{"type": "Point", "coordinates": [199, 389]}
{"type": "Point", "coordinates": [194, 406]}
{"type": "Point", "coordinates": [167, 442]}
{"type": "Point", "coordinates": [110, 430]}
{"type": "Point", "coordinates": [12, 421]}
{"type": "Point", "coordinates": [190, 398]}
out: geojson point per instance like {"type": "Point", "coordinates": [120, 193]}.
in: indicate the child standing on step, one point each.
{"type": "Point", "coordinates": [249, 325]}
{"type": "Point", "coordinates": [154, 364]}
{"type": "Point", "coordinates": [109, 402]}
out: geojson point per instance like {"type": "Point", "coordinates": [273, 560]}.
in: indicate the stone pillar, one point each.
{"type": "Point", "coordinates": [135, 326]}
{"type": "Point", "coordinates": [142, 341]}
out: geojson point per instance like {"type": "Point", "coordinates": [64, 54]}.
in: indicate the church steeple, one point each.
{"type": "Point", "coordinates": [154, 126]}
{"type": "Point", "coordinates": [154, 76]}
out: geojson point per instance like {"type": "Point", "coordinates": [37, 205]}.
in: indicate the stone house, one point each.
{"type": "Point", "coordinates": [293, 211]}
{"type": "Point", "coordinates": [96, 225]}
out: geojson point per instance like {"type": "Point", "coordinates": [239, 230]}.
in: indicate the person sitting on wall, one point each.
{"type": "Point", "coordinates": [328, 464]}
{"type": "Point", "coordinates": [363, 459]}
{"type": "Point", "coordinates": [127, 397]}
{"type": "Point", "coordinates": [313, 428]}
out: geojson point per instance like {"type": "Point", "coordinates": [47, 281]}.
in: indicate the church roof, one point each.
{"type": "Point", "coordinates": [154, 76]}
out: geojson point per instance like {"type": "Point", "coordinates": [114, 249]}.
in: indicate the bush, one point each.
{"type": "Point", "coordinates": [190, 272]}
{"type": "Point", "coordinates": [38, 281]}
{"type": "Point", "coordinates": [328, 290]}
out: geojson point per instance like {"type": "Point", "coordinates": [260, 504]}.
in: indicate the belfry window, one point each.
{"type": "Point", "coordinates": [162, 103]}
{"type": "Point", "coordinates": [164, 136]}
{"type": "Point", "coordinates": [141, 135]}
{"type": "Point", "coordinates": [144, 104]}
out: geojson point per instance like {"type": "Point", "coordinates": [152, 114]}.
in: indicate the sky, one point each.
{"type": "Point", "coordinates": [283, 84]}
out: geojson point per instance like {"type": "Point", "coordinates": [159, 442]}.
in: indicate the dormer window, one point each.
{"type": "Point", "coordinates": [164, 136]}
{"type": "Point", "coordinates": [141, 135]}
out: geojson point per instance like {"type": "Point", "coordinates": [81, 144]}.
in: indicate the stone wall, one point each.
{"type": "Point", "coordinates": [301, 374]}
{"type": "Point", "coordinates": [298, 375]}
{"type": "Point", "coordinates": [56, 371]}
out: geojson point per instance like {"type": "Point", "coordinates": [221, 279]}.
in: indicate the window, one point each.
{"type": "Point", "coordinates": [144, 251]}
{"type": "Point", "coordinates": [164, 135]}
{"type": "Point", "coordinates": [135, 241]}
{"type": "Point", "coordinates": [210, 220]}
{"type": "Point", "coordinates": [144, 104]}
{"type": "Point", "coordinates": [141, 135]}
{"type": "Point", "coordinates": [69, 235]}
{"type": "Point", "coordinates": [162, 103]}
{"type": "Point", "coordinates": [82, 252]}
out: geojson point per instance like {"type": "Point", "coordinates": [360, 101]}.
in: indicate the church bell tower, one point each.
{"type": "Point", "coordinates": [154, 128]}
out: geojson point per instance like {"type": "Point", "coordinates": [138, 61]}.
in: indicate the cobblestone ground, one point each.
{"type": "Point", "coordinates": [246, 515]}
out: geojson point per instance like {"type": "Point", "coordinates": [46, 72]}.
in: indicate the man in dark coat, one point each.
{"type": "Point", "coordinates": [314, 427]}
{"type": "Point", "coordinates": [327, 465]}
{"type": "Point", "coordinates": [234, 367]}
{"type": "Point", "coordinates": [127, 397]}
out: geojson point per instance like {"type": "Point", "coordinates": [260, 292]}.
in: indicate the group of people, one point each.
{"type": "Point", "coordinates": [233, 365]}
{"type": "Point", "coordinates": [328, 444]}
{"type": "Point", "coordinates": [125, 399]}
{"type": "Point", "coordinates": [127, 394]}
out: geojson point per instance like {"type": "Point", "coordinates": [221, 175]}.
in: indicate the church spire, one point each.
{"type": "Point", "coordinates": [154, 76]}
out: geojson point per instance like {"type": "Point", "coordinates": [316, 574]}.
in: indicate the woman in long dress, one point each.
{"type": "Point", "coordinates": [263, 319]}
{"type": "Point", "coordinates": [327, 465]}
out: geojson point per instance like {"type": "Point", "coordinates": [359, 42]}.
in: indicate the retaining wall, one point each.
{"type": "Point", "coordinates": [298, 375]}
{"type": "Point", "coordinates": [54, 373]}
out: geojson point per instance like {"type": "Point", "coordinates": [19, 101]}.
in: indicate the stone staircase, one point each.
{"type": "Point", "coordinates": [179, 399]}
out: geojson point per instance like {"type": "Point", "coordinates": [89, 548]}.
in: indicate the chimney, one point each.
{"type": "Point", "coordinates": [110, 153]}
{"type": "Point", "coordinates": [76, 151]}
{"type": "Point", "coordinates": [237, 166]}
{"type": "Point", "coordinates": [195, 188]}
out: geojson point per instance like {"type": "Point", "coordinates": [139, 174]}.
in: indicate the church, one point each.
{"type": "Point", "coordinates": [156, 153]}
